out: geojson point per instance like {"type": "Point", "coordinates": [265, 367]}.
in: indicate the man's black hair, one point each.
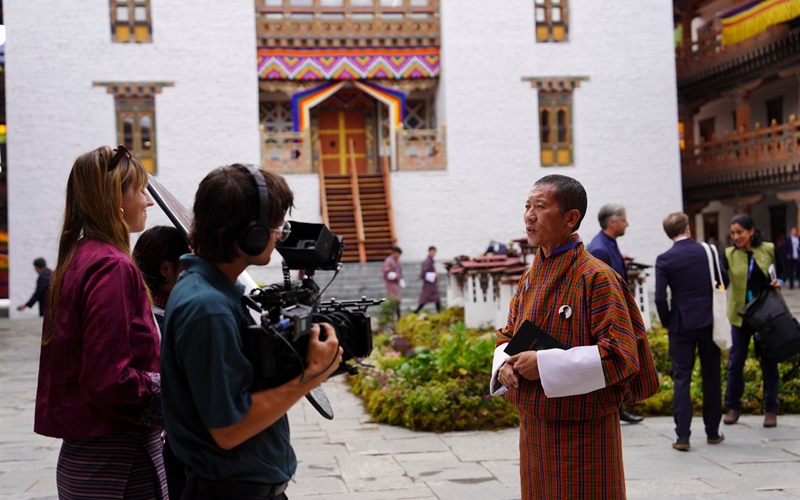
{"type": "Point", "coordinates": [431, 248]}
{"type": "Point", "coordinates": [225, 202]}
{"type": "Point", "coordinates": [39, 263]}
{"type": "Point", "coordinates": [569, 194]}
{"type": "Point", "coordinates": [397, 249]}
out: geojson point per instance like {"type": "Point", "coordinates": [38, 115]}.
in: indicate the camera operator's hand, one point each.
{"type": "Point", "coordinates": [324, 354]}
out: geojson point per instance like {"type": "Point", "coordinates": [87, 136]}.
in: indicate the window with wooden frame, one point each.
{"type": "Point", "coordinates": [136, 128]}
{"type": "Point", "coordinates": [555, 128]}
{"type": "Point", "coordinates": [131, 22]}
{"type": "Point", "coordinates": [551, 20]}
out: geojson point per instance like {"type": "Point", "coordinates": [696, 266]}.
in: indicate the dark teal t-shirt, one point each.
{"type": "Point", "coordinates": [206, 379]}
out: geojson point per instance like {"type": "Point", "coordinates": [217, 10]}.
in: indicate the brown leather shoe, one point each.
{"type": "Point", "coordinates": [716, 440]}
{"type": "Point", "coordinates": [731, 417]}
{"type": "Point", "coordinates": [770, 419]}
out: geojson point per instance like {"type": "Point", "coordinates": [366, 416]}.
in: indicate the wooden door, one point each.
{"type": "Point", "coordinates": [336, 130]}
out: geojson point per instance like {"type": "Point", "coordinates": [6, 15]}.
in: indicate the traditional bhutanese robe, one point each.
{"type": "Point", "coordinates": [430, 290]}
{"type": "Point", "coordinates": [392, 274]}
{"type": "Point", "coordinates": [570, 442]}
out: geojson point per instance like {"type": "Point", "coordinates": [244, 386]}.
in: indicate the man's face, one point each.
{"type": "Point", "coordinates": [618, 225]}
{"type": "Point", "coordinates": [432, 253]}
{"type": "Point", "coordinates": [545, 225]}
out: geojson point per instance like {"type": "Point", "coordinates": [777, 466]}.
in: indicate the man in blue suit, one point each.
{"type": "Point", "coordinates": [689, 321]}
{"type": "Point", "coordinates": [613, 222]}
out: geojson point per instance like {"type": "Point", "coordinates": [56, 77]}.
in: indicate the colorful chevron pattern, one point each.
{"type": "Point", "coordinates": [277, 63]}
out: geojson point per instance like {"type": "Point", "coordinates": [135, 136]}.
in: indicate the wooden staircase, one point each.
{"type": "Point", "coordinates": [358, 207]}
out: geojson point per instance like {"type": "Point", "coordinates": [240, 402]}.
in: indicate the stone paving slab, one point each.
{"type": "Point", "coordinates": [354, 459]}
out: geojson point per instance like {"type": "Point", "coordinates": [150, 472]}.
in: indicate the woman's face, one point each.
{"type": "Point", "coordinates": [741, 237]}
{"type": "Point", "coordinates": [134, 206]}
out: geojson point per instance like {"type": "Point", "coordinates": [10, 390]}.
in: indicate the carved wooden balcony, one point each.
{"type": "Point", "coordinates": [744, 161]}
{"type": "Point", "coordinates": [421, 149]}
{"type": "Point", "coordinates": [347, 25]}
{"type": "Point", "coordinates": [286, 152]}
{"type": "Point", "coordinates": [707, 64]}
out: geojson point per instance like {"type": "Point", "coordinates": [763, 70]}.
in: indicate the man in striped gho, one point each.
{"type": "Point", "coordinates": [568, 400]}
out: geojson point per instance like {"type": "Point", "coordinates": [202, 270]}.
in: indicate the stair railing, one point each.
{"type": "Point", "coordinates": [323, 194]}
{"type": "Point", "coordinates": [387, 187]}
{"type": "Point", "coordinates": [362, 251]}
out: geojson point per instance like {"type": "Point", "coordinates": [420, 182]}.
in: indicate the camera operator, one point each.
{"type": "Point", "coordinates": [234, 442]}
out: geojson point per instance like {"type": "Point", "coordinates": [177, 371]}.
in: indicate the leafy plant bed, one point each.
{"type": "Point", "coordinates": [431, 373]}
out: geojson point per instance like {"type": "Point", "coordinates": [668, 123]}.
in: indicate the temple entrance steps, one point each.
{"type": "Point", "coordinates": [367, 214]}
{"type": "Point", "coordinates": [356, 280]}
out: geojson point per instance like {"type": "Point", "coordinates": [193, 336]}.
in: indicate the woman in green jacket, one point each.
{"type": "Point", "coordinates": [748, 262]}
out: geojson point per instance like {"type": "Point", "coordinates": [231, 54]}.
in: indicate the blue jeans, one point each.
{"type": "Point", "coordinates": [736, 357]}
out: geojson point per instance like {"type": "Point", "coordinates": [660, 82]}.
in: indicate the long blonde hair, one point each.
{"type": "Point", "coordinates": [93, 211]}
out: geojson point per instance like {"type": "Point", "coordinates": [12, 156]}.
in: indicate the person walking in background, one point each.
{"type": "Point", "coordinates": [791, 250]}
{"type": "Point", "coordinates": [748, 263]}
{"type": "Point", "coordinates": [157, 253]}
{"type": "Point", "coordinates": [42, 285]}
{"type": "Point", "coordinates": [613, 222]}
{"type": "Point", "coordinates": [393, 276]}
{"type": "Point", "coordinates": [568, 400]}
{"type": "Point", "coordinates": [430, 283]}
{"type": "Point", "coordinates": [688, 319]}
{"type": "Point", "coordinates": [99, 382]}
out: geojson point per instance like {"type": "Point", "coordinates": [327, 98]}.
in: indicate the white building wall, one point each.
{"type": "Point", "coordinates": [624, 123]}
{"type": "Point", "coordinates": [209, 118]}
{"type": "Point", "coordinates": [626, 139]}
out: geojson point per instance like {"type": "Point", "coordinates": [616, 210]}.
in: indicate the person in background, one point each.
{"type": "Point", "coordinates": [748, 264]}
{"type": "Point", "coordinates": [393, 276]}
{"type": "Point", "coordinates": [157, 253]}
{"type": "Point", "coordinates": [430, 283]}
{"type": "Point", "coordinates": [688, 319]}
{"type": "Point", "coordinates": [99, 383]}
{"type": "Point", "coordinates": [613, 222]}
{"type": "Point", "coordinates": [42, 284]}
{"type": "Point", "coordinates": [568, 400]}
{"type": "Point", "coordinates": [791, 251]}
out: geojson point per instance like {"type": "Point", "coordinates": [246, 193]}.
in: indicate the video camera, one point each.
{"type": "Point", "coordinates": [277, 347]}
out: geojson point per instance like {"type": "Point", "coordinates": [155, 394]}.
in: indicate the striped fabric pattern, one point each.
{"type": "Point", "coordinates": [122, 466]}
{"type": "Point", "coordinates": [567, 459]}
{"type": "Point", "coordinates": [604, 313]}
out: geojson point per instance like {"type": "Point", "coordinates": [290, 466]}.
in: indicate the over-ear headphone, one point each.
{"type": "Point", "coordinates": [255, 237]}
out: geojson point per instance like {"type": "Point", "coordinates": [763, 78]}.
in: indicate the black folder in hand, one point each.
{"type": "Point", "coordinates": [530, 337]}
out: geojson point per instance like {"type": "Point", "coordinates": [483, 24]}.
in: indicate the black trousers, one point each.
{"type": "Point", "coordinates": [682, 348]}
{"type": "Point", "coordinates": [229, 490]}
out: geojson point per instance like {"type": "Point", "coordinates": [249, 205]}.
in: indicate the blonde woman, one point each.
{"type": "Point", "coordinates": [99, 387]}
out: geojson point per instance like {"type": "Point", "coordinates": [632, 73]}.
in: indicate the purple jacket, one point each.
{"type": "Point", "coordinates": [392, 285]}
{"type": "Point", "coordinates": [93, 375]}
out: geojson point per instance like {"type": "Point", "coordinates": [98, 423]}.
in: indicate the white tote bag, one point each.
{"type": "Point", "coordinates": [722, 326]}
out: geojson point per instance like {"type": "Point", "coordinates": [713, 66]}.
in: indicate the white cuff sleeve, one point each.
{"type": "Point", "coordinates": [572, 372]}
{"type": "Point", "coordinates": [402, 283]}
{"type": "Point", "coordinates": [430, 277]}
{"type": "Point", "coordinates": [391, 276]}
{"type": "Point", "coordinates": [500, 357]}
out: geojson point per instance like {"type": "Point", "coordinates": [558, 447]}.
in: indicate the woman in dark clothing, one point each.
{"type": "Point", "coordinates": [752, 264]}
{"type": "Point", "coordinates": [157, 253]}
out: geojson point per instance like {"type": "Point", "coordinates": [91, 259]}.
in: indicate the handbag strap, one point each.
{"type": "Point", "coordinates": [716, 279]}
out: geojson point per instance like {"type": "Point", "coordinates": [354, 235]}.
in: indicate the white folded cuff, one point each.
{"type": "Point", "coordinates": [572, 372]}
{"type": "Point", "coordinates": [430, 277]}
{"type": "Point", "coordinates": [391, 276]}
{"type": "Point", "coordinates": [500, 357]}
